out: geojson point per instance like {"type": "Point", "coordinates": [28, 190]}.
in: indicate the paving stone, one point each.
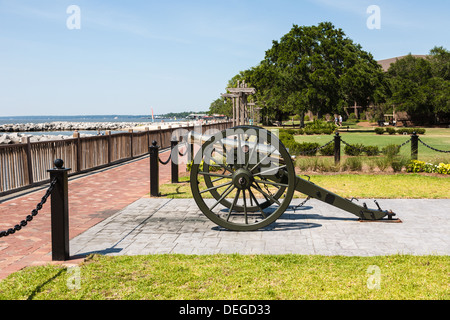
{"type": "Point", "coordinates": [324, 230]}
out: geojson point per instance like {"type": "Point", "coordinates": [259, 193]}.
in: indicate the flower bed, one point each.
{"type": "Point", "coordinates": [422, 166]}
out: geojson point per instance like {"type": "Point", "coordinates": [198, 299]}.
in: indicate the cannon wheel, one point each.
{"type": "Point", "coordinates": [250, 175]}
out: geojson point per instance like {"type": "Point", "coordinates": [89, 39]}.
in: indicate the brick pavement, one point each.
{"type": "Point", "coordinates": [92, 198]}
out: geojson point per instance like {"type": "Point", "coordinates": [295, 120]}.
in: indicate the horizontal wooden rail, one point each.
{"type": "Point", "coordinates": [25, 165]}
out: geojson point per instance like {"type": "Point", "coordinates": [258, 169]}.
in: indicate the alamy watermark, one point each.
{"type": "Point", "coordinates": [374, 20]}
{"type": "Point", "coordinates": [374, 279]}
{"type": "Point", "coordinates": [73, 22]}
{"type": "Point", "coordinates": [73, 281]}
{"type": "Point", "coordinates": [254, 149]}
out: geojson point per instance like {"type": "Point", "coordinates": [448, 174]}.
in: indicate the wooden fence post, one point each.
{"type": "Point", "coordinates": [76, 135]}
{"type": "Point", "coordinates": [130, 131]}
{"type": "Point", "coordinates": [108, 136]}
{"type": "Point", "coordinates": [29, 162]}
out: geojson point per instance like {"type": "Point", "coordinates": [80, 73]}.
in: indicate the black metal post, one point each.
{"type": "Point", "coordinates": [154, 169]}
{"type": "Point", "coordinates": [60, 212]}
{"type": "Point", "coordinates": [174, 162]}
{"type": "Point", "coordinates": [337, 148]}
{"type": "Point", "coordinates": [191, 151]}
{"type": "Point", "coordinates": [414, 146]}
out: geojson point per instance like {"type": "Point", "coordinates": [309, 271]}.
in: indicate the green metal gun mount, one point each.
{"type": "Point", "coordinates": [251, 178]}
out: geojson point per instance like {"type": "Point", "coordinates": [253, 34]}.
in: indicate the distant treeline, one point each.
{"type": "Point", "coordinates": [180, 114]}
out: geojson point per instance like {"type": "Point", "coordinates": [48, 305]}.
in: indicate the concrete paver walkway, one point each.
{"type": "Point", "coordinates": [150, 226]}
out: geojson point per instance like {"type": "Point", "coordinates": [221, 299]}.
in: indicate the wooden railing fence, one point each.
{"type": "Point", "coordinates": [26, 164]}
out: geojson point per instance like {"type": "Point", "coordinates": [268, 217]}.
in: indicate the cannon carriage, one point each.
{"type": "Point", "coordinates": [250, 176]}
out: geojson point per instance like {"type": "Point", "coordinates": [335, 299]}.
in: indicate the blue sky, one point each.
{"type": "Point", "coordinates": [172, 56]}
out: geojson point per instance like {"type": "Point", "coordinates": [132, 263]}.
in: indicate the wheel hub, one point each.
{"type": "Point", "coordinates": [242, 179]}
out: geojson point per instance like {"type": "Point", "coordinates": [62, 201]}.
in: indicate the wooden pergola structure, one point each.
{"type": "Point", "coordinates": [240, 104]}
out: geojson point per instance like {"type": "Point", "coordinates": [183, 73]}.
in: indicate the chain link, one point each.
{"type": "Point", "coordinates": [301, 204]}
{"type": "Point", "coordinates": [185, 151]}
{"type": "Point", "coordinates": [404, 143]}
{"type": "Point", "coordinates": [316, 149]}
{"type": "Point", "coordinates": [362, 149]}
{"type": "Point", "coordinates": [34, 212]}
{"type": "Point", "coordinates": [167, 161]}
{"type": "Point", "coordinates": [434, 149]}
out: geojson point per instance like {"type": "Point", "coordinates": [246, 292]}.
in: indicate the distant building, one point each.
{"type": "Point", "coordinates": [386, 63]}
{"type": "Point", "coordinates": [196, 116]}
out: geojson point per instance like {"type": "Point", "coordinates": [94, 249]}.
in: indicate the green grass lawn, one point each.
{"type": "Point", "coordinates": [437, 138]}
{"type": "Point", "coordinates": [253, 277]}
{"type": "Point", "coordinates": [394, 186]}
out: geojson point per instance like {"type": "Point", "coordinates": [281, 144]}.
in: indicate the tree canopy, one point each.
{"type": "Point", "coordinates": [420, 86]}
{"type": "Point", "coordinates": [318, 68]}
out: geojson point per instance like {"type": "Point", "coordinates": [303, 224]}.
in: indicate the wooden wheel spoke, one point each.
{"type": "Point", "coordinates": [257, 203]}
{"type": "Point", "coordinates": [257, 187]}
{"type": "Point", "coordinates": [224, 194]}
{"type": "Point", "coordinates": [216, 187]}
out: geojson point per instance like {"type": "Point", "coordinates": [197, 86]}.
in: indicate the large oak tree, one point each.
{"type": "Point", "coordinates": [315, 68]}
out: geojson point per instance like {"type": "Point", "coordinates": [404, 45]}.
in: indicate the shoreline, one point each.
{"type": "Point", "coordinates": [82, 126]}
{"type": "Point", "coordinates": [48, 131]}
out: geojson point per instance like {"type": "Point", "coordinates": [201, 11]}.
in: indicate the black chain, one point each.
{"type": "Point", "coordinates": [404, 143]}
{"type": "Point", "coordinates": [316, 149]}
{"type": "Point", "coordinates": [34, 212]}
{"type": "Point", "coordinates": [167, 161]}
{"type": "Point", "coordinates": [186, 151]}
{"type": "Point", "coordinates": [426, 145]}
{"type": "Point", "coordinates": [301, 204]}
{"type": "Point", "coordinates": [362, 149]}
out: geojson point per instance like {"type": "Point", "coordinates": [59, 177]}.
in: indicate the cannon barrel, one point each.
{"type": "Point", "coordinates": [196, 137]}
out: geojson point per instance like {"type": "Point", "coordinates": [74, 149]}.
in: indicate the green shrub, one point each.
{"type": "Point", "coordinates": [402, 131]}
{"type": "Point", "coordinates": [285, 137]}
{"type": "Point", "coordinates": [372, 150]}
{"type": "Point", "coordinates": [353, 149]}
{"type": "Point", "coordinates": [212, 168]}
{"type": "Point", "coordinates": [290, 131]}
{"type": "Point", "coordinates": [379, 130]}
{"type": "Point", "coordinates": [382, 163]}
{"type": "Point", "coordinates": [390, 130]}
{"type": "Point", "coordinates": [397, 163]}
{"type": "Point", "coordinates": [319, 127]}
{"type": "Point", "coordinates": [353, 164]}
{"type": "Point", "coordinates": [308, 131]}
{"type": "Point", "coordinates": [391, 150]}
{"type": "Point", "coordinates": [420, 131]}
{"type": "Point", "coordinates": [328, 150]}
{"type": "Point", "coordinates": [305, 148]}
{"type": "Point", "coordinates": [411, 130]}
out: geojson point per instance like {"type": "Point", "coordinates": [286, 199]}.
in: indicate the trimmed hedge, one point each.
{"type": "Point", "coordinates": [391, 130]}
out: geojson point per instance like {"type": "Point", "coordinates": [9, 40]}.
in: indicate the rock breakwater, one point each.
{"type": "Point", "coordinates": [12, 138]}
{"type": "Point", "coordinates": [69, 126]}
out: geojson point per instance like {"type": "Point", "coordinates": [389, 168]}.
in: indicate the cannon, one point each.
{"type": "Point", "coordinates": [250, 177]}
